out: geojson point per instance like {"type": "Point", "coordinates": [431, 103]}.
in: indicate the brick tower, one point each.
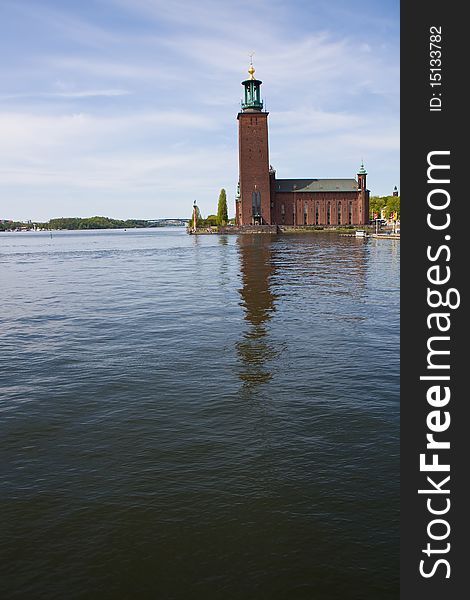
{"type": "Point", "coordinates": [253, 203]}
{"type": "Point", "coordinates": [362, 217]}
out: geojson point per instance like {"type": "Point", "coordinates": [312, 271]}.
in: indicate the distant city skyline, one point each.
{"type": "Point", "coordinates": [127, 108]}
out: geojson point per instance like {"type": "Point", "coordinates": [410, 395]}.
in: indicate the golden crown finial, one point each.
{"type": "Point", "coordinates": [251, 70]}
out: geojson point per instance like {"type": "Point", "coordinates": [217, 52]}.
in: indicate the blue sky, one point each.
{"type": "Point", "coordinates": [127, 108]}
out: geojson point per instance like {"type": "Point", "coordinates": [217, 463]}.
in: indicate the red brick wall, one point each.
{"type": "Point", "coordinates": [312, 199]}
{"type": "Point", "coordinates": [254, 165]}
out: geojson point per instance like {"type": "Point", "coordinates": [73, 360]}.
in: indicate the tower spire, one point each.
{"type": "Point", "coordinates": [361, 177]}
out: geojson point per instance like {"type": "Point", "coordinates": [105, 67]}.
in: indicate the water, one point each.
{"type": "Point", "coordinates": [198, 417]}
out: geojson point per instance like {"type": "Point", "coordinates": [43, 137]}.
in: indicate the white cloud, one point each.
{"type": "Point", "coordinates": [25, 134]}
{"type": "Point", "coordinates": [307, 121]}
{"type": "Point", "coordinates": [70, 94]}
{"type": "Point", "coordinates": [108, 69]}
{"type": "Point", "coordinates": [63, 154]}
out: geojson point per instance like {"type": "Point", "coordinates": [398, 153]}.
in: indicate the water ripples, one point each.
{"type": "Point", "coordinates": [187, 417]}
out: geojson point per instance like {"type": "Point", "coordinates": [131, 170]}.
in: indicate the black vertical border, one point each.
{"type": "Point", "coordinates": [423, 131]}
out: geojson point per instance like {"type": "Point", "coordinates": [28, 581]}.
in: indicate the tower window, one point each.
{"type": "Point", "coordinates": [283, 209]}
{"type": "Point", "coordinates": [256, 203]}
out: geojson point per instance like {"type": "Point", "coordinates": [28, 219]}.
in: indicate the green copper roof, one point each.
{"type": "Point", "coordinates": [362, 170]}
{"type": "Point", "coordinates": [316, 185]}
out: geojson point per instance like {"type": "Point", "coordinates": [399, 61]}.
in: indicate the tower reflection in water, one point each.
{"type": "Point", "coordinates": [258, 301]}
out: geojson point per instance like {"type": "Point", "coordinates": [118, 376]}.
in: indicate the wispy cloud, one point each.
{"type": "Point", "coordinates": [109, 69]}
{"type": "Point", "coordinates": [67, 25]}
{"type": "Point", "coordinates": [71, 94]}
{"type": "Point", "coordinates": [24, 134]}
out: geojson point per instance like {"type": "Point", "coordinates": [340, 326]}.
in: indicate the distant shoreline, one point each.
{"type": "Point", "coordinates": [88, 223]}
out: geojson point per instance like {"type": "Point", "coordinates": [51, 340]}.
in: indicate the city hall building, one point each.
{"type": "Point", "coordinates": [263, 199]}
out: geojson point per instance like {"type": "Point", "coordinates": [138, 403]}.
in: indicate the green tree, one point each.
{"type": "Point", "coordinates": [376, 204]}
{"type": "Point", "coordinates": [222, 213]}
{"type": "Point", "coordinates": [388, 204]}
{"type": "Point", "coordinates": [393, 205]}
{"type": "Point", "coordinates": [212, 220]}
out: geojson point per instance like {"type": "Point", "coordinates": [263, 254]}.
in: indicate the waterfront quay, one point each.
{"type": "Point", "coordinates": [286, 229]}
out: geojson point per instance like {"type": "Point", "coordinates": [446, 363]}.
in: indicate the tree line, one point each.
{"type": "Point", "coordinates": [11, 225]}
{"type": "Point", "coordinates": [387, 204]}
{"type": "Point", "coordinates": [73, 223]}
{"type": "Point", "coordinates": [95, 223]}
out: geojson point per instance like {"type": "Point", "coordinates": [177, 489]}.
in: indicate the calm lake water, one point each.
{"type": "Point", "coordinates": [211, 417]}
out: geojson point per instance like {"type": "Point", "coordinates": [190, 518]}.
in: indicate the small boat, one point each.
{"type": "Point", "coordinates": [361, 233]}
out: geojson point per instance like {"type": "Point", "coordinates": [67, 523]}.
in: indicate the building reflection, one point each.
{"type": "Point", "coordinates": [258, 302]}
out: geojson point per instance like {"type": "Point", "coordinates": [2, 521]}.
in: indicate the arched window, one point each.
{"type": "Point", "coordinates": [256, 203]}
{"type": "Point", "coordinates": [305, 213]}
{"type": "Point", "coordinates": [350, 213]}
{"type": "Point", "coordinates": [339, 212]}
{"type": "Point", "coordinates": [328, 214]}
{"type": "Point", "coordinates": [317, 214]}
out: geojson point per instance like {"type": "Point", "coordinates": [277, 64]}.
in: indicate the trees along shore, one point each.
{"type": "Point", "coordinates": [74, 223]}
{"type": "Point", "coordinates": [384, 206]}
{"type": "Point", "coordinates": [220, 219]}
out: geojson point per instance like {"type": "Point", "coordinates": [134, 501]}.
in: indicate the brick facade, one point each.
{"type": "Point", "coordinates": [320, 208]}
{"type": "Point", "coordinates": [254, 166]}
